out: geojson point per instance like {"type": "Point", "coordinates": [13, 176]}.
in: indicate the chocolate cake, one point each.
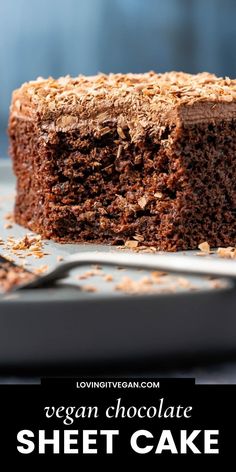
{"type": "Point", "coordinates": [110, 158]}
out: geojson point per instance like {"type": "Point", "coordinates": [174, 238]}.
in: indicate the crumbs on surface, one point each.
{"type": "Point", "coordinates": [88, 288]}
{"type": "Point", "coordinates": [7, 226]}
{"type": "Point", "coordinates": [185, 283]}
{"type": "Point", "coordinates": [131, 244]}
{"type": "Point", "coordinates": [204, 247]}
{"type": "Point", "coordinates": [156, 282]}
{"type": "Point", "coordinates": [158, 276]}
{"type": "Point", "coordinates": [108, 278]}
{"type": "Point", "coordinates": [134, 246]}
{"type": "Point", "coordinates": [96, 267]}
{"type": "Point", "coordinates": [83, 276]}
{"type": "Point", "coordinates": [31, 243]}
{"type": "Point", "coordinates": [226, 252]}
{"type": "Point", "coordinates": [217, 283]}
{"type": "Point", "coordinates": [138, 237]}
{"type": "Point", "coordinates": [12, 276]}
{"type": "Point", "coordinates": [145, 285]}
{"type": "Point", "coordinates": [60, 258]}
{"type": "Point", "coordinates": [9, 217]}
{"type": "Point", "coordinates": [41, 270]}
{"type": "Point", "coordinates": [90, 273]}
{"type": "Point", "coordinates": [10, 220]}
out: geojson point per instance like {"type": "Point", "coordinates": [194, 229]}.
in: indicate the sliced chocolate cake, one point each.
{"type": "Point", "coordinates": [111, 158]}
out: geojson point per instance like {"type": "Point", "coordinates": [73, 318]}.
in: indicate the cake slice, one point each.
{"type": "Point", "coordinates": [110, 158]}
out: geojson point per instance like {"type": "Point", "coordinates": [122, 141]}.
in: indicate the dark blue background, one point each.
{"type": "Point", "coordinates": [58, 37]}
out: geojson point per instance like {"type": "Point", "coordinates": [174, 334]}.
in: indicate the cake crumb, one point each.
{"type": "Point", "coordinates": [121, 132]}
{"type": "Point", "coordinates": [158, 273]}
{"type": "Point", "coordinates": [41, 270]}
{"type": "Point", "coordinates": [158, 195]}
{"type": "Point", "coordinates": [7, 226]}
{"type": "Point", "coordinates": [142, 202]}
{"type": "Point", "coordinates": [30, 243]}
{"type": "Point", "coordinates": [217, 283]}
{"type": "Point", "coordinates": [88, 288]}
{"type": "Point", "coordinates": [184, 283]}
{"type": "Point", "coordinates": [119, 151]}
{"type": "Point", "coordinates": [82, 276]}
{"type": "Point", "coordinates": [12, 276]}
{"type": "Point", "coordinates": [131, 244]}
{"type": "Point", "coordinates": [158, 276]}
{"type": "Point", "coordinates": [226, 252]}
{"type": "Point", "coordinates": [60, 258]}
{"type": "Point", "coordinates": [146, 249]}
{"type": "Point", "coordinates": [204, 247]}
{"type": "Point", "coordinates": [10, 258]}
{"type": "Point", "coordinates": [127, 285]}
{"type": "Point", "coordinates": [94, 272]}
{"type": "Point", "coordinates": [138, 237]}
{"type": "Point", "coordinates": [9, 217]}
{"type": "Point", "coordinates": [33, 243]}
{"type": "Point", "coordinates": [96, 267]}
{"type": "Point", "coordinates": [145, 285]}
{"type": "Point", "coordinates": [108, 278]}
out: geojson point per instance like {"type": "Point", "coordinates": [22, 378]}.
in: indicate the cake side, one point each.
{"type": "Point", "coordinates": [157, 166]}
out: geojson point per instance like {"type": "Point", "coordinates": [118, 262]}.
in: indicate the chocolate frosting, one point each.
{"type": "Point", "coordinates": [141, 102]}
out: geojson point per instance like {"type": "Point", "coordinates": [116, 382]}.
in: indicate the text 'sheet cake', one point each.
{"type": "Point", "coordinates": [111, 158]}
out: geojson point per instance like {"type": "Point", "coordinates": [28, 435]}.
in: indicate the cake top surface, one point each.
{"type": "Point", "coordinates": [147, 98]}
{"type": "Point", "coordinates": [170, 86]}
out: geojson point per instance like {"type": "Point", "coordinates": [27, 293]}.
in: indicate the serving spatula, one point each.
{"type": "Point", "coordinates": [174, 263]}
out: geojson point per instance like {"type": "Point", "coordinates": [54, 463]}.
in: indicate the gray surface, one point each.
{"type": "Point", "coordinates": [65, 325]}
{"type": "Point", "coordinates": [220, 373]}
{"type": "Point", "coordinates": [216, 373]}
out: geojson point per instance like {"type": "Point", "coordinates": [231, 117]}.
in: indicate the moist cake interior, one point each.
{"type": "Point", "coordinates": [172, 193]}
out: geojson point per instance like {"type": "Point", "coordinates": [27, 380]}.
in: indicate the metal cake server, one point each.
{"type": "Point", "coordinates": [174, 263]}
